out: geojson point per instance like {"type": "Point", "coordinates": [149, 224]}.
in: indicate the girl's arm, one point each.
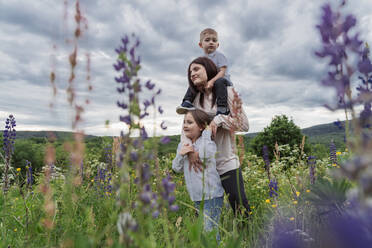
{"type": "Point", "coordinates": [184, 139]}
{"type": "Point", "coordinates": [237, 119]}
{"type": "Point", "coordinates": [193, 157]}
{"type": "Point", "coordinates": [208, 148]}
{"type": "Point", "coordinates": [179, 161]}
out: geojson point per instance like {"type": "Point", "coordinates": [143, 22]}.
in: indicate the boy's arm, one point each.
{"type": "Point", "coordinates": [220, 74]}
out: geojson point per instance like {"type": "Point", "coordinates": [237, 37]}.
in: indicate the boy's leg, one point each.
{"type": "Point", "coordinates": [232, 182]}
{"type": "Point", "coordinates": [189, 96]}
{"type": "Point", "coordinates": [187, 101]}
{"type": "Point", "coordinates": [221, 95]}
